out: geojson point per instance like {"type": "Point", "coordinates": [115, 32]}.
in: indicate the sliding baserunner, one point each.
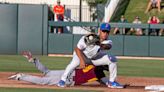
{"type": "Point", "coordinates": [52, 77]}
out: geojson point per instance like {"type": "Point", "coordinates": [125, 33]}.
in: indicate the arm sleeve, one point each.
{"type": "Point", "coordinates": [106, 44]}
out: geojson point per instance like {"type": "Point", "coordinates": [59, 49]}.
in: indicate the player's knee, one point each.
{"type": "Point", "coordinates": [113, 58]}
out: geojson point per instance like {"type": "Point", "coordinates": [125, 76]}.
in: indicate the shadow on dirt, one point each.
{"type": "Point", "coordinates": [134, 87]}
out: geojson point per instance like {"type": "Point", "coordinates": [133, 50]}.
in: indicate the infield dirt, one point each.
{"type": "Point", "coordinates": [133, 84]}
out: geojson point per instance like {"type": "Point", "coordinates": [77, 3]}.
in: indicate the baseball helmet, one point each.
{"type": "Point", "coordinates": [105, 27]}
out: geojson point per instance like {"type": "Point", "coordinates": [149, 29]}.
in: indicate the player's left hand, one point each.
{"type": "Point", "coordinates": [106, 45]}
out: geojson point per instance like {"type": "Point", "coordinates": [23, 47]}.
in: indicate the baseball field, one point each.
{"type": "Point", "coordinates": [134, 73]}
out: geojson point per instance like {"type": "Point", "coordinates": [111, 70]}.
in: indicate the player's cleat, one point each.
{"type": "Point", "coordinates": [61, 83]}
{"type": "Point", "coordinates": [28, 55]}
{"type": "Point", "coordinates": [16, 76]}
{"type": "Point", "coordinates": [114, 85]}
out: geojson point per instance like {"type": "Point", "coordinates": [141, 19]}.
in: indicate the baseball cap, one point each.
{"type": "Point", "coordinates": [105, 27]}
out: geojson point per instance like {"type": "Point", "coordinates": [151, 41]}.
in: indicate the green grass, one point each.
{"type": "Point", "coordinates": [138, 7]}
{"type": "Point", "coordinates": [146, 68]}
{"type": "Point", "coordinates": [41, 90]}
{"type": "Point", "coordinates": [15, 63]}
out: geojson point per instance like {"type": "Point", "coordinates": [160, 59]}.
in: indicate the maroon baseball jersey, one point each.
{"type": "Point", "coordinates": [85, 75]}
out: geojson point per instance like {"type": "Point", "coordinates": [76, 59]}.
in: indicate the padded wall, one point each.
{"type": "Point", "coordinates": [8, 28]}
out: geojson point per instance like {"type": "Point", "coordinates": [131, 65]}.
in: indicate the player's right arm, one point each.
{"type": "Point", "coordinates": [79, 51]}
{"type": "Point", "coordinates": [81, 57]}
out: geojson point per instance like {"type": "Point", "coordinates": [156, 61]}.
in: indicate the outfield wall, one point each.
{"type": "Point", "coordinates": [123, 45]}
{"type": "Point", "coordinates": [25, 27]}
{"type": "Point", "coordinates": [8, 29]}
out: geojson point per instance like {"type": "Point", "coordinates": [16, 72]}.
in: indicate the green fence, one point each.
{"type": "Point", "coordinates": [8, 29]}
{"type": "Point", "coordinates": [26, 27]}
{"type": "Point", "coordinates": [23, 27]}
{"type": "Point", "coordinates": [123, 45]}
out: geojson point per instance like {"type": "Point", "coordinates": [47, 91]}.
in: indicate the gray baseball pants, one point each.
{"type": "Point", "coordinates": [51, 77]}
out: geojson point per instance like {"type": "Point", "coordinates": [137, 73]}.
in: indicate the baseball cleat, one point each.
{"type": "Point", "coordinates": [114, 85]}
{"type": "Point", "coordinates": [28, 55]}
{"type": "Point", "coordinates": [61, 83]}
{"type": "Point", "coordinates": [16, 76]}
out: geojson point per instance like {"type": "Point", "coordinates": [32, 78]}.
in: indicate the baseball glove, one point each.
{"type": "Point", "coordinates": [92, 39]}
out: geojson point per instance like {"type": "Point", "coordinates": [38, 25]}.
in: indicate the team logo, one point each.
{"type": "Point", "coordinates": [106, 25]}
